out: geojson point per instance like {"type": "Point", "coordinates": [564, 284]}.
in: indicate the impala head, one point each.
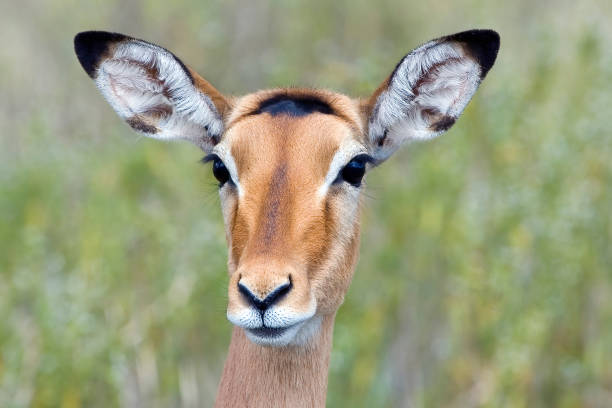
{"type": "Point", "coordinates": [290, 162]}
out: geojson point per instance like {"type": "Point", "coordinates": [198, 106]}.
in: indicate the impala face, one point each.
{"type": "Point", "coordinates": [290, 162]}
{"type": "Point", "coordinates": [290, 205]}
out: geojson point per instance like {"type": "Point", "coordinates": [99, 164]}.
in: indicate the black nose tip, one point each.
{"type": "Point", "coordinates": [262, 304]}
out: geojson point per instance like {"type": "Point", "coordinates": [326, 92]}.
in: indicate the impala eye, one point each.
{"type": "Point", "coordinates": [220, 171]}
{"type": "Point", "coordinates": [218, 168]}
{"type": "Point", "coordinates": [354, 170]}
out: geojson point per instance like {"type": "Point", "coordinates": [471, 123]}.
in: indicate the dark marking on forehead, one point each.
{"type": "Point", "coordinates": [293, 106]}
{"type": "Point", "coordinates": [296, 103]}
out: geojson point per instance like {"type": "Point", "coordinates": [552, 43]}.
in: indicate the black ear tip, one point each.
{"type": "Point", "coordinates": [91, 46]}
{"type": "Point", "coordinates": [482, 44]}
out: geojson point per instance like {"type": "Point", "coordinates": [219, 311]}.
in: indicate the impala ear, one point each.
{"type": "Point", "coordinates": [151, 89]}
{"type": "Point", "coordinates": [428, 90]}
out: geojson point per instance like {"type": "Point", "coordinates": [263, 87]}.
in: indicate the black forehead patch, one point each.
{"type": "Point", "coordinates": [293, 106]}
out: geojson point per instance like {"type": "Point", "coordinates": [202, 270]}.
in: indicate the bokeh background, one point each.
{"type": "Point", "coordinates": [485, 277]}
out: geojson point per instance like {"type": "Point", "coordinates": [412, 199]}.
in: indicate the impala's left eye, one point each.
{"type": "Point", "coordinates": [354, 170]}
{"type": "Point", "coordinates": [219, 170]}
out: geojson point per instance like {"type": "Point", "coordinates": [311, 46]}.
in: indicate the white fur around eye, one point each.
{"type": "Point", "coordinates": [226, 157]}
{"type": "Point", "coordinates": [349, 149]}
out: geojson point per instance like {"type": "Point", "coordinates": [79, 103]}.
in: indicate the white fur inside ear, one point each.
{"type": "Point", "coordinates": [427, 92]}
{"type": "Point", "coordinates": [151, 90]}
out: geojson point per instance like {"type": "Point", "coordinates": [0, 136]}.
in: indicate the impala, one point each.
{"type": "Point", "coordinates": [290, 164]}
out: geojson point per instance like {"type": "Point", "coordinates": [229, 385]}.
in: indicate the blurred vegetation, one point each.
{"type": "Point", "coordinates": [486, 270]}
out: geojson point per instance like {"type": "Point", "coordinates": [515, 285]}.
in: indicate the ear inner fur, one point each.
{"type": "Point", "coordinates": [428, 90]}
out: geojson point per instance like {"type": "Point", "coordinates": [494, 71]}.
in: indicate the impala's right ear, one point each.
{"type": "Point", "coordinates": [428, 90]}
{"type": "Point", "coordinates": [151, 89]}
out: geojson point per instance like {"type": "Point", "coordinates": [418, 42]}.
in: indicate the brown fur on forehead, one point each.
{"type": "Point", "coordinates": [281, 162]}
{"type": "Point", "coordinates": [342, 107]}
{"type": "Point", "coordinates": [306, 145]}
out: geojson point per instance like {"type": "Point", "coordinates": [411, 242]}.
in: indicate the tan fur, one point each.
{"type": "Point", "coordinates": [256, 376]}
{"type": "Point", "coordinates": [280, 226]}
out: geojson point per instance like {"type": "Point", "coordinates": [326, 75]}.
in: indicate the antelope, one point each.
{"type": "Point", "coordinates": [290, 163]}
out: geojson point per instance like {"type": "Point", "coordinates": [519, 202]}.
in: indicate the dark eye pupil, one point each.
{"type": "Point", "coordinates": [353, 172]}
{"type": "Point", "coordinates": [220, 172]}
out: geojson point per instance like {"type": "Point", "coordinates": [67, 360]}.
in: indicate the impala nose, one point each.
{"type": "Point", "coordinates": [272, 297]}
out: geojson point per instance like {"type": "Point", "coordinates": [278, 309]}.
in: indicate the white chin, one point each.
{"type": "Point", "coordinates": [296, 335]}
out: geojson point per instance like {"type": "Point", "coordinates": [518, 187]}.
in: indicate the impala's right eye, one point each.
{"type": "Point", "coordinates": [354, 170]}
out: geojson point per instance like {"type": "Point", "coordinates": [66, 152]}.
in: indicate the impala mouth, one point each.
{"type": "Point", "coordinates": [273, 336]}
{"type": "Point", "coordinates": [277, 326]}
{"type": "Point", "coordinates": [269, 332]}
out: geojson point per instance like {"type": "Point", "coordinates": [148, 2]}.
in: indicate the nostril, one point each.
{"type": "Point", "coordinates": [250, 296]}
{"type": "Point", "coordinates": [273, 297]}
{"type": "Point", "coordinates": [278, 293]}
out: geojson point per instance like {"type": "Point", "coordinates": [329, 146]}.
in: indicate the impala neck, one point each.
{"type": "Point", "coordinates": [295, 376]}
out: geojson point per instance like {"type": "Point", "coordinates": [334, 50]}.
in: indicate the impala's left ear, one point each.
{"type": "Point", "coordinates": [151, 89]}
{"type": "Point", "coordinates": [428, 90]}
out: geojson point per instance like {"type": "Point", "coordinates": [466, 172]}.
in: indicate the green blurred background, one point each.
{"type": "Point", "coordinates": [485, 276]}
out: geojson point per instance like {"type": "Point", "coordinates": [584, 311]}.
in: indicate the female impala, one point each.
{"type": "Point", "coordinates": [290, 165]}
